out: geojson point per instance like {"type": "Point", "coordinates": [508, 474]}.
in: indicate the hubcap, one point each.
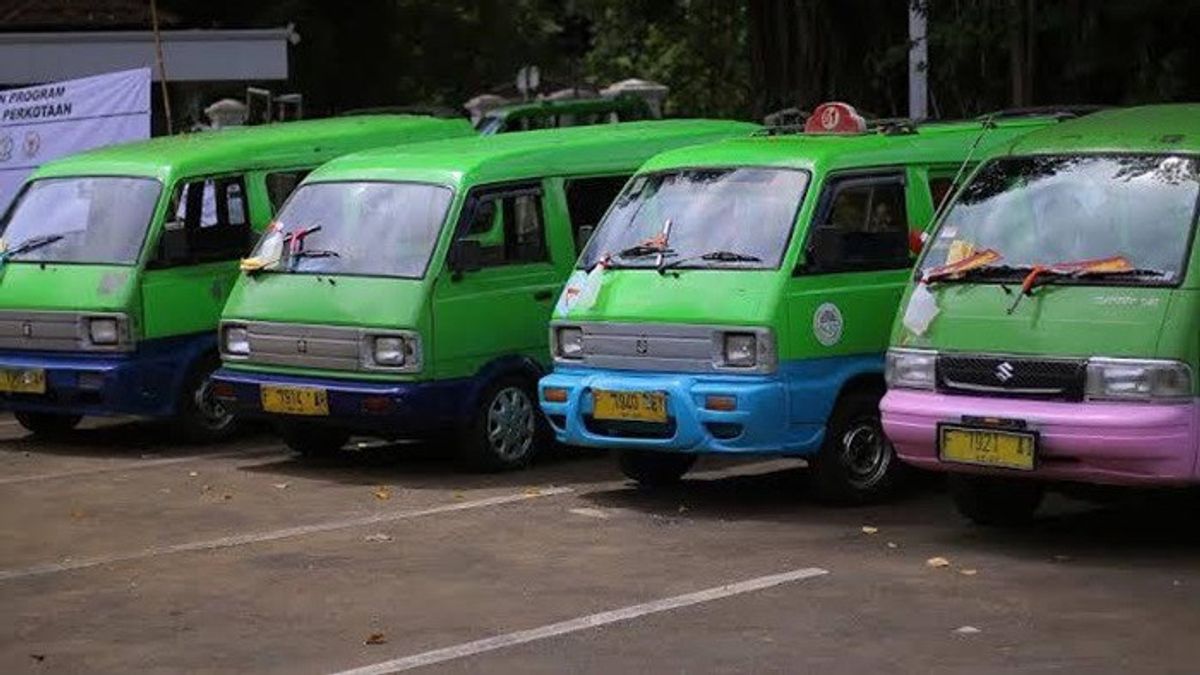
{"type": "Point", "coordinates": [866, 454]}
{"type": "Point", "coordinates": [510, 424]}
{"type": "Point", "coordinates": [214, 413]}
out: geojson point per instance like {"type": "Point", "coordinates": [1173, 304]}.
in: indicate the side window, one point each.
{"type": "Point", "coordinates": [509, 226]}
{"type": "Point", "coordinates": [211, 223]}
{"type": "Point", "coordinates": [280, 185]}
{"type": "Point", "coordinates": [863, 225]}
{"type": "Point", "coordinates": [587, 200]}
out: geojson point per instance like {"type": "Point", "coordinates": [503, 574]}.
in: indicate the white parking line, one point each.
{"type": "Point", "coordinates": [583, 623]}
{"type": "Point", "coordinates": [249, 453]}
{"type": "Point", "coordinates": [273, 535]}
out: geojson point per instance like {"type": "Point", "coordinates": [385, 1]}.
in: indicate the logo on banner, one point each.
{"type": "Point", "coordinates": [33, 143]}
{"type": "Point", "coordinates": [6, 147]}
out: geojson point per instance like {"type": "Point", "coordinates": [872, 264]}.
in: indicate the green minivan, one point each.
{"type": "Point", "coordinates": [1051, 338]}
{"type": "Point", "coordinates": [737, 298]}
{"type": "Point", "coordinates": [115, 264]}
{"type": "Point", "coordinates": [407, 292]}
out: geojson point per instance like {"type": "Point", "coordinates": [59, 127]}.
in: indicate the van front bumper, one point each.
{"type": "Point", "coordinates": [145, 382]}
{"type": "Point", "coordinates": [1091, 442]}
{"type": "Point", "coordinates": [388, 409]}
{"type": "Point", "coordinates": [758, 425]}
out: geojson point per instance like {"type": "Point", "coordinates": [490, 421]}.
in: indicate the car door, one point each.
{"type": "Point", "coordinates": [503, 307]}
{"type": "Point", "coordinates": [206, 231]}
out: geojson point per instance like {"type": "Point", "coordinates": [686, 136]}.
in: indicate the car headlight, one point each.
{"type": "Point", "coordinates": [740, 350]}
{"type": "Point", "coordinates": [389, 351]}
{"type": "Point", "coordinates": [911, 369]}
{"type": "Point", "coordinates": [236, 340]}
{"type": "Point", "coordinates": [568, 342]}
{"type": "Point", "coordinates": [103, 331]}
{"type": "Point", "coordinates": [1137, 379]}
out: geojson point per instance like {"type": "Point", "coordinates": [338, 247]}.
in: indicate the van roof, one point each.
{"type": "Point", "coordinates": [1151, 128]}
{"type": "Point", "coordinates": [927, 143]}
{"type": "Point", "coordinates": [604, 148]}
{"type": "Point", "coordinates": [302, 143]}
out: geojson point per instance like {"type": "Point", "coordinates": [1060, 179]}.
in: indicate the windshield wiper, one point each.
{"type": "Point", "coordinates": [1098, 267]}
{"type": "Point", "coordinates": [642, 250]}
{"type": "Point", "coordinates": [33, 243]}
{"type": "Point", "coordinates": [715, 256]}
{"type": "Point", "coordinates": [316, 253]}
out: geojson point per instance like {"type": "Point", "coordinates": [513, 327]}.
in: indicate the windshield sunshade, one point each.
{"type": "Point", "coordinates": [365, 229]}
{"type": "Point", "coordinates": [100, 220]}
{"type": "Point", "coordinates": [727, 218]}
{"type": "Point", "coordinates": [1072, 219]}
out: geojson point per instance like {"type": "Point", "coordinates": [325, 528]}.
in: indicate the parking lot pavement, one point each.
{"type": "Point", "coordinates": [122, 551]}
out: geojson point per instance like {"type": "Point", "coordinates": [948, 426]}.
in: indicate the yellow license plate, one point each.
{"type": "Point", "coordinates": [23, 381]}
{"type": "Point", "coordinates": [634, 406]}
{"type": "Point", "coordinates": [987, 447]}
{"type": "Point", "coordinates": [294, 400]}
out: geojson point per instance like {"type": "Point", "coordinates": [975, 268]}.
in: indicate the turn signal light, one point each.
{"type": "Point", "coordinates": [720, 403]}
{"type": "Point", "coordinates": [554, 395]}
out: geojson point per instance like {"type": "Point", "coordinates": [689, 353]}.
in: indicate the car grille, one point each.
{"type": "Point", "coordinates": [1011, 376]}
{"type": "Point", "coordinates": [305, 346]}
{"type": "Point", "coordinates": [56, 331]}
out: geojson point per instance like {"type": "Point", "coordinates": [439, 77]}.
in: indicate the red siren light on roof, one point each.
{"type": "Point", "coordinates": [835, 118]}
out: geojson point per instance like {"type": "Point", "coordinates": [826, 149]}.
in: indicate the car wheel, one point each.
{"type": "Point", "coordinates": [203, 418]}
{"type": "Point", "coordinates": [856, 463]}
{"type": "Point", "coordinates": [996, 502]}
{"type": "Point", "coordinates": [506, 430]}
{"type": "Point", "coordinates": [655, 469]}
{"type": "Point", "coordinates": [47, 424]}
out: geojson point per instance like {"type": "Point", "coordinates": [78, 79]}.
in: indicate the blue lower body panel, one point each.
{"type": "Point", "coordinates": [388, 409]}
{"type": "Point", "coordinates": [146, 382]}
{"type": "Point", "coordinates": [784, 413]}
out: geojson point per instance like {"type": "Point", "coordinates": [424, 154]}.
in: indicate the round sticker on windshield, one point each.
{"type": "Point", "coordinates": [827, 324]}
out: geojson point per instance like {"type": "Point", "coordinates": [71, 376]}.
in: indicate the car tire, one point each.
{"type": "Point", "coordinates": [506, 429]}
{"type": "Point", "coordinates": [312, 440]}
{"type": "Point", "coordinates": [201, 417]}
{"type": "Point", "coordinates": [995, 502]}
{"type": "Point", "coordinates": [856, 463]}
{"type": "Point", "coordinates": [47, 424]}
{"type": "Point", "coordinates": [655, 469]}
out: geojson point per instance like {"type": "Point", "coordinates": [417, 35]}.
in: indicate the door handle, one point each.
{"type": "Point", "coordinates": [543, 295]}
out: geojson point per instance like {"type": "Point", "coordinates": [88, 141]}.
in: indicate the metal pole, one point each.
{"type": "Point", "coordinates": [162, 66]}
{"type": "Point", "coordinates": [918, 61]}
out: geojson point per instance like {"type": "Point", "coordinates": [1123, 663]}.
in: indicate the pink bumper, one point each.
{"type": "Point", "coordinates": [1113, 443]}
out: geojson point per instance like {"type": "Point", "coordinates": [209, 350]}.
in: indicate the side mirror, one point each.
{"type": "Point", "coordinates": [826, 248]}
{"type": "Point", "coordinates": [465, 256]}
{"type": "Point", "coordinates": [172, 244]}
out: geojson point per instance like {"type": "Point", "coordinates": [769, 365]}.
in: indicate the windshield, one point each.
{"type": "Point", "coordinates": [365, 229]}
{"type": "Point", "coordinates": [732, 218]}
{"type": "Point", "coordinates": [1059, 211]}
{"type": "Point", "coordinates": [99, 220]}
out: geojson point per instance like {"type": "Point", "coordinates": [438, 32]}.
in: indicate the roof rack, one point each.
{"type": "Point", "coordinates": [1061, 112]}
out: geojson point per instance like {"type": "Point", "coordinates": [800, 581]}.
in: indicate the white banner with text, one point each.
{"type": "Point", "coordinates": [41, 123]}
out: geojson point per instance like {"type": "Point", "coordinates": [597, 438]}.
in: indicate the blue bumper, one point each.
{"type": "Point", "coordinates": [390, 409]}
{"type": "Point", "coordinates": [784, 413]}
{"type": "Point", "coordinates": [146, 382]}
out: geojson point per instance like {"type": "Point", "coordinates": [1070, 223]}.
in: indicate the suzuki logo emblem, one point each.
{"type": "Point", "coordinates": [1004, 372]}
{"type": "Point", "coordinates": [301, 346]}
{"type": "Point", "coordinates": [641, 346]}
{"type": "Point", "coordinates": [27, 329]}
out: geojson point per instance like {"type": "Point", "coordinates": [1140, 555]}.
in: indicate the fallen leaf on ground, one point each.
{"type": "Point", "coordinates": [79, 513]}
{"type": "Point", "coordinates": [967, 630]}
{"type": "Point", "coordinates": [378, 537]}
{"type": "Point", "coordinates": [937, 561]}
{"type": "Point", "coordinates": [968, 572]}
{"type": "Point", "coordinates": [206, 488]}
{"type": "Point", "coordinates": [868, 529]}
{"type": "Point", "coordinates": [38, 657]}
{"type": "Point", "coordinates": [532, 492]}
{"type": "Point", "coordinates": [460, 496]}
{"type": "Point", "coordinates": [588, 512]}
{"type": "Point", "coordinates": [280, 486]}
{"type": "Point", "coordinates": [891, 544]}
{"type": "Point", "coordinates": [226, 497]}
{"type": "Point", "coordinates": [193, 474]}
{"type": "Point", "coordinates": [383, 493]}
{"type": "Point", "coordinates": [375, 639]}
